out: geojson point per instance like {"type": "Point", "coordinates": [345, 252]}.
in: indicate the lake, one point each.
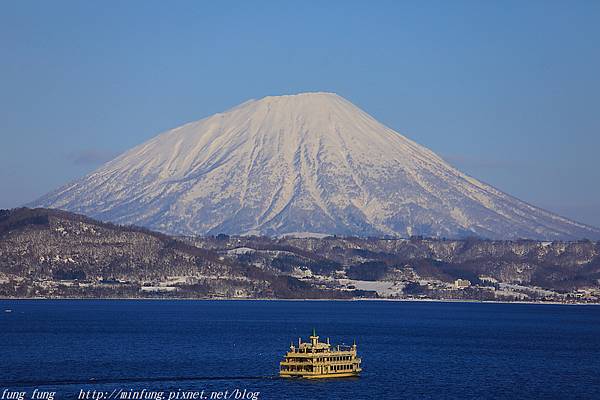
{"type": "Point", "coordinates": [410, 350]}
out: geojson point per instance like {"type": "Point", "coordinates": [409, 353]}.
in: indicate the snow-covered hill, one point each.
{"type": "Point", "coordinates": [311, 163]}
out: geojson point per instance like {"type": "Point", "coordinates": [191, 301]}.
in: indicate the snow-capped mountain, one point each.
{"type": "Point", "coordinates": [311, 163]}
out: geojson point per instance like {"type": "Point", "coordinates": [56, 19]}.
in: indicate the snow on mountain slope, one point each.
{"type": "Point", "coordinates": [311, 163]}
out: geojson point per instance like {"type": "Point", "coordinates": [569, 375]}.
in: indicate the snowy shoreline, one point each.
{"type": "Point", "coordinates": [298, 300]}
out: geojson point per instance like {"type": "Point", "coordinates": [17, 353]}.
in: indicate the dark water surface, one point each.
{"type": "Point", "coordinates": [410, 350]}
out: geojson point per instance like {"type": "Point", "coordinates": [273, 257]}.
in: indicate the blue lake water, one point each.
{"type": "Point", "coordinates": [410, 350]}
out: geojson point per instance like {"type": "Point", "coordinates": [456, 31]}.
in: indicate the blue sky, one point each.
{"type": "Point", "coordinates": [508, 91]}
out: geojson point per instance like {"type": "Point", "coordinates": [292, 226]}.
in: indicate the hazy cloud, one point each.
{"type": "Point", "coordinates": [469, 161]}
{"type": "Point", "coordinates": [92, 157]}
{"type": "Point", "coordinates": [587, 213]}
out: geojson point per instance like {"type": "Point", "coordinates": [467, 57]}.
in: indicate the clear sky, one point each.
{"type": "Point", "coordinates": [508, 91]}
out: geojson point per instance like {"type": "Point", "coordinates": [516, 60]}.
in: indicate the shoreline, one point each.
{"type": "Point", "coordinates": [294, 300]}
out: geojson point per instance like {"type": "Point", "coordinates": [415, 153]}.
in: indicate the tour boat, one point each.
{"type": "Point", "coordinates": [319, 360]}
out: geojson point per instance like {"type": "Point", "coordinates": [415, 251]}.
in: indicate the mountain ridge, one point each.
{"type": "Point", "coordinates": [311, 163]}
{"type": "Point", "coordinates": [58, 254]}
{"type": "Point", "coordinates": [40, 248]}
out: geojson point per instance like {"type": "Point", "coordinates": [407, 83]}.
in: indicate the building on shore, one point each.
{"type": "Point", "coordinates": [462, 283]}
